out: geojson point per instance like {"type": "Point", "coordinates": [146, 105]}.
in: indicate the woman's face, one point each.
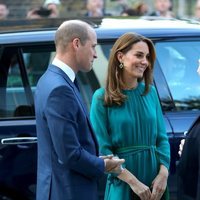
{"type": "Point", "coordinates": [135, 61]}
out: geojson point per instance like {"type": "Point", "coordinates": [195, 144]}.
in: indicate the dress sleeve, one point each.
{"type": "Point", "coordinates": [162, 143]}
{"type": "Point", "coordinates": [99, 120]}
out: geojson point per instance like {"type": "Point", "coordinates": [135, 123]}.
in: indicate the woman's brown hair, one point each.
{"type": "Point", "coordinates": [114, 82]}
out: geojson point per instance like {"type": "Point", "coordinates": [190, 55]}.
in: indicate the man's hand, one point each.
{"type": "Point", "coordinates": [107, 156]}
{"type": "Point", "coordinates": [112, 164]}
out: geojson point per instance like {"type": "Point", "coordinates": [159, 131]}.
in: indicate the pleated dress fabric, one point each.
{"type": "Point", "coordinates": [134, 131]}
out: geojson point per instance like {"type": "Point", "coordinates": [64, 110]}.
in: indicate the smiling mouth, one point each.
{"type": "Point", "coordinates": [141, 69]}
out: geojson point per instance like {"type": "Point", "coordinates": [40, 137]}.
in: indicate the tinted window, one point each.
{"type": "Point", "coordinates": [14, 97]}
{"type": "Point", "coordinates": [101, 63]}
{"type": "Point", "coordinates": [37, 59]}
{"type": "Point", "coordinates": [179, 63]}
{"type": "Point", "coordinates": [20, 69]}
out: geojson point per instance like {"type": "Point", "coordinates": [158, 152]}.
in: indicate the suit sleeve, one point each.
{"type": "Point", "coordinates": [99, 119]}
{"type": "Point", "coordinates": [61, 115]}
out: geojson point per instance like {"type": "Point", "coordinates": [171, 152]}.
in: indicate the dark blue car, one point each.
{"type": "Point", "coordinates": [24, 56]}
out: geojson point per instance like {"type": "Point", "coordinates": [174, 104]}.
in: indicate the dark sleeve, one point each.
{"type": "Point", "coordinates": [198, 158]}
{"type": "Point", "coordinates": [188, 167]}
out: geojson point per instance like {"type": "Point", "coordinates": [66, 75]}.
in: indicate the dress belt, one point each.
{"type": "Point", "coordinates": [133, 149]}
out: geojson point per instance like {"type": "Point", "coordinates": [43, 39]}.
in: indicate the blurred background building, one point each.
{"type": "Point", "coordinates": [18, 9]}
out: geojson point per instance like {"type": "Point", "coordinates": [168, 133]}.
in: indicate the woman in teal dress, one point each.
{"type": "Point", "coordinates": [127, 118]}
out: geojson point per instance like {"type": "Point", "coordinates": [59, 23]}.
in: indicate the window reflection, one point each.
{"type": "Point", "coordinates": [179, 63]}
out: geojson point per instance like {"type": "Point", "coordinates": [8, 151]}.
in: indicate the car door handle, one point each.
{"type": "Point", "coordinates": [19, 140]}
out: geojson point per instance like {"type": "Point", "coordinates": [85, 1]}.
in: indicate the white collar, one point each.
{"type": "Point", "coordinates": [65, 68]}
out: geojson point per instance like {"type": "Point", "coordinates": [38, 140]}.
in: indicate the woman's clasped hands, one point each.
{"type": "Point", "coordinates": [158, 187]}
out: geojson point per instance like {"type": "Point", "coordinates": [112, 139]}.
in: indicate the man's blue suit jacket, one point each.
{"type": "Point", "coordinates": [68, 163]}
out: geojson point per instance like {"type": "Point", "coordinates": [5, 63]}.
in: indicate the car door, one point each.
{"type": "Point", "coordinates": [17, 128]}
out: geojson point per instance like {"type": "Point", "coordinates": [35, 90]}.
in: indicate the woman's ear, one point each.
{"type": "Point", "coordinates": [119, 56]}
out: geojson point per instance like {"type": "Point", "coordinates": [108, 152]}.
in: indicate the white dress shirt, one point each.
{"type": "Point", "coordinates": [65, 68]}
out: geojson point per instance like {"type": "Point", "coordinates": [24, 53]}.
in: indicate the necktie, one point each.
{"type": "Point", "coordinates": [76, 84]}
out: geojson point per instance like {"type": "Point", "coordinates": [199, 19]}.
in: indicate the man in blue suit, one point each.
{"type": "Point", "coordinates": [68, 160]}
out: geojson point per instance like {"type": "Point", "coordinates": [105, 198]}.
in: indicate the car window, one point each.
{"type": "Point", "coordinates": [179, 63]}
{"type": "Point", "coordinates": [36, 60]}
{"type": "Point", "coordinates": [15, 91]}
{"type": "Point", "coordinates": [19, 74]}
{"type": "Point", "coordinates": [101, 63]}
{"type": "Point", "coordinates": [13, 87]}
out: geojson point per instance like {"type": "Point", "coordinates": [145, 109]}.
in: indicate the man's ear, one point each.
{"type": "Point", "coordinates": [76, 43]}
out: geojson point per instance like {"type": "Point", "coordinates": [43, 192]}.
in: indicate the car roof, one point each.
{"type": "Point", "coordinates": [151, 28]}
{"type": "Point", "coordinates": [112, 28]}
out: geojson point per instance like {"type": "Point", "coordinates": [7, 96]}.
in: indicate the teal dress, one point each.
{"type": "Point", "coordinates": [134, 131]}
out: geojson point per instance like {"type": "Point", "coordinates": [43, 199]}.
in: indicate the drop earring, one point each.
{"type": "Point", "coordinates": [121, 65]}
